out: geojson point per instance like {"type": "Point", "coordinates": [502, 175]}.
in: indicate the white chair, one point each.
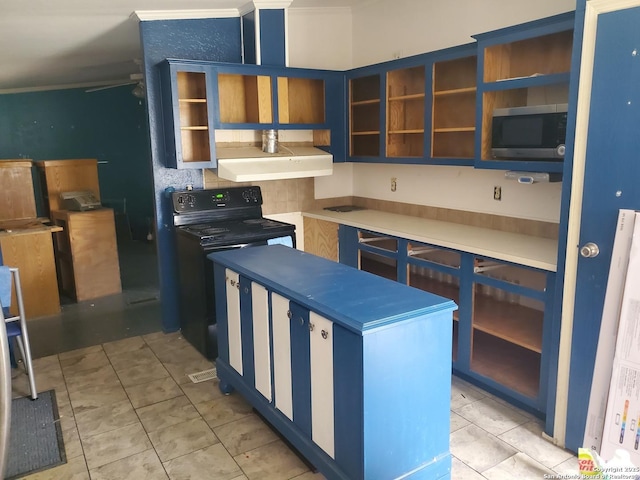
{"type": "Point", "coordinates": [16, 326]}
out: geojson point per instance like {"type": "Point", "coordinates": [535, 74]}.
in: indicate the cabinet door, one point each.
{"type": "Point", "coordinates": [233, 320]}
{"type": "Point", "coordinates": [189, 135]}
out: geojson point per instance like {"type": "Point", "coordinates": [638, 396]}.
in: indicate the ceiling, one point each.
{"type": "Point", "coordinates": [47, 43]}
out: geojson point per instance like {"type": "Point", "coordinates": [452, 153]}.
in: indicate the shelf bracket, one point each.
{"type": "Point", "coordinates": [487, 266]}
{"type": "Point", "coordinates": [420, 251]}
{"type": "Point", "coordinates": [373, 239]}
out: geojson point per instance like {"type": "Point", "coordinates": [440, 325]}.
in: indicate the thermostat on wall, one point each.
{"type": "Point", "coordinates": [533, 177]}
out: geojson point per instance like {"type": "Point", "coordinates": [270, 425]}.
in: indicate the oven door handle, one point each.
{"type": "Point", "coordinates": [234, 246]}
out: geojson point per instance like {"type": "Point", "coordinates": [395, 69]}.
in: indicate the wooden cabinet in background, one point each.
{"type": "Point", "coordinates": [87, 254]}
{"type": "Point", "coordinates": [30, 249]}
{"type": "Point", "coordinates": [17, 200]}
{"type": "Point", "coordinates": [59, 176]}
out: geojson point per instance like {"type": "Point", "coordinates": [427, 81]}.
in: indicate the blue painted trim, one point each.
{"type": "Point", "coordinates": [465, 315]}
{"type": "Point", "coordinates": [220, 288]}
{"type": "Point", "coordinates": [564, 221]}
{"type": "Point", "coordinates": [249, 38]}
{"type": "Point", "coordinates": [246, 330]}
{"type": "Point", "coordinates": [349, 395]}
{"type": "Point", "coordinates": [300, 367]}
{"type": "Point", "coordinates": [348, 241]}
{"type": "Point", "coordinates": [272, 37]}
{"type": "Point", "coordinates": [535, 28]}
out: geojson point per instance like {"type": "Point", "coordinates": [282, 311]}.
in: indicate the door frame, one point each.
{"type": "Point", "coordinates": [593, 9]}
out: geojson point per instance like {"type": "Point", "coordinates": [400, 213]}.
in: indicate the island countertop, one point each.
{"type": "Point", "coordinates": [521, 249]}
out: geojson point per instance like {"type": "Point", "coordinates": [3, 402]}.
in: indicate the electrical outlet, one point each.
{"type": "Point", "coordinates": [497, 193]}
{"type": "Point", "coordinates": [394, 184]}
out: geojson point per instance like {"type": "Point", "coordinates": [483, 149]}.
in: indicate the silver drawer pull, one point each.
{"type": "Point", "coordinates": [325, 334]}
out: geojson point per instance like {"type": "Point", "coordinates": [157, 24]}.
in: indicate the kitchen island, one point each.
{"type": "Point", "coordinates": [353, 369]}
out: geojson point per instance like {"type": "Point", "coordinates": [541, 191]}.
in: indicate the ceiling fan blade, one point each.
{"type": "Point", "coordinates": [106, 87]}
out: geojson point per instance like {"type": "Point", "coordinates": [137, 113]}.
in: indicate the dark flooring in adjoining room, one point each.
{"type": "Point", "coordinates": [136, 311]}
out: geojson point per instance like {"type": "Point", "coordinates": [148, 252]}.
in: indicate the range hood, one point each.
{"type": "Point", "coordinates": [250, 163]}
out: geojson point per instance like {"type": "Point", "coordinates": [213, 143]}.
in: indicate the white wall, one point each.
{"type": "Point", "coordinates": [383, 28]}
{"type": "Point", "coordinates": [320, 38]}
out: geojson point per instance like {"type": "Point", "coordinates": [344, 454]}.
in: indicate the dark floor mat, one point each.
{"type": "Point", "coordinates": [35, 442]}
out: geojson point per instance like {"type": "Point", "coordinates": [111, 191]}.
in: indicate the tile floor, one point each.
{"type": "Point", "coordinates": [129, 411]}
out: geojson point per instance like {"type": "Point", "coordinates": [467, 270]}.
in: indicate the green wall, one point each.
{"type": "Point", "coordinates": [110, 125]}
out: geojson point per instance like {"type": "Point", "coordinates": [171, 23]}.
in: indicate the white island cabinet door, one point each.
{"type": "Point", "coordinates": [261, 349]}
{"type": "Point", "coordinates": [321, 356]}
{"type": "Point", "coordinates": [233, 320]}
{"type": "Point", "coordinates": [282, 355]}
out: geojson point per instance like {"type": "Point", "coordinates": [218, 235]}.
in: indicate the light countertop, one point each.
{"type": "Point", "coordinates": [521, 249]}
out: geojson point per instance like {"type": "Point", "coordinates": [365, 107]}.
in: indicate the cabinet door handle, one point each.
{"type": "Point", "coordinates": [301, 321]}
{"type": "Point", "coordinates": [289, 314]}
{"type": "Point", "coordinates": [311, 327]}
{"type": "Point", "coordinates": [325, 334]}
{"type": "Point", "coordinates": [246, 289]}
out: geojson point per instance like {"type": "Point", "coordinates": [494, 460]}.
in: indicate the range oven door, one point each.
{"type": "Point", "coordinates": [197, 302]}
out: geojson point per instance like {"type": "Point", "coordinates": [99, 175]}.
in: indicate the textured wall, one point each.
{"type": "Point", "coordinates": [109, 125]}
{"type": "Point", "coordinates": [202, 39]}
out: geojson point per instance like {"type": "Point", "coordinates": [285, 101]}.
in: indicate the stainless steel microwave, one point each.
{"type": "Point", "coordinates": [529, 133]}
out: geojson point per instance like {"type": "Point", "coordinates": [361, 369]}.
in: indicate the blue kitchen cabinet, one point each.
{"type": "Point", "coordinates": [187, 100]}
{"type": "Point", "coordinates": [200, 97]}
{"type": "Point", "coordinates": [359, 366]}
{"type": "Point", "coordinates": [254, 97]}
{"type": "Point", "coordinates": [518, 66]}
{"type": "Point", "coordinates": [419, 109]}
{"type": "Point", "coordinates": [501, 334]}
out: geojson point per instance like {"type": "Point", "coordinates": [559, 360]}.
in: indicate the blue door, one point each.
{"type": "Point", "coordinates": [611, 182]}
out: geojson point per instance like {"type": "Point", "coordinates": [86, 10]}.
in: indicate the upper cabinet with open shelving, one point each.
{"type": "Point", "coordinates": [186, 96]}
{"type": "Point", "coordinates": [201, 97]}
{"type": "Point", "coordinates": [454, 108]}
{"type": "Point", "coordinates": [419, 109]}
{"type": "Point", "coordinates": [522, 66]}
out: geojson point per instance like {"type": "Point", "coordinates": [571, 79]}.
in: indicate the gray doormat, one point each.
{"type": "Point", "coordinates": [35, 441]}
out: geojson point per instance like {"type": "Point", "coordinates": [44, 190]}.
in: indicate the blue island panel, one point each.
{"type": "Point", "coordinates": [358, 300]}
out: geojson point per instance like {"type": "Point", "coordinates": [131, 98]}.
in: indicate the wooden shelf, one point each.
{"type": "Point", "coordinates": [400, 98]}
{"type": "Point", "coordinates": [454, 129]}
{"type": "Point", "coordinates": [193, 116]}
{"type": "Point", "coordinates": [512, 322]}
{"type": "Point", "coordinates": [364, 117]}
{"type": "Point", "coordinates": [402, 132]}
{"type": "Point", "coordinates": [454, 108]}
{"type": "Point", "coordinates": [512, 366]}
{"type": "Point", "coordinates": [405, 112]}
{"type": "Point", "coordinates": [457, 91]}
{"type": "Point", "coordinates": [366, 102]}
{"type": "Point", "coordinates": [373, 132]}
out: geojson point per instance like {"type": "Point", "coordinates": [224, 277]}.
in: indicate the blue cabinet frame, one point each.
{"type": "Point", "coordinates": [470, 280]}
{"type": "Point", "coordinates": [333, 104]}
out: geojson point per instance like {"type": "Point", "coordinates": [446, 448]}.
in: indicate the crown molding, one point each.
{"type": "Point", "coordinates": [149, 15]}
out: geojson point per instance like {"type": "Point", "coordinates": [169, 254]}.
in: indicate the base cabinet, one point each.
{"type": "Point", "coordinates": [501, 333]}
{"type": "Point", "coordinates": [343, 388]}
